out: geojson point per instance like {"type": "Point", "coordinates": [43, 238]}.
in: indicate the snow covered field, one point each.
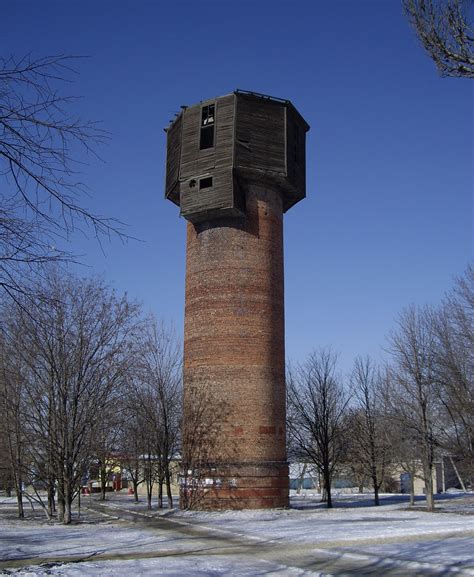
{"type": "Point", "coordinates": [123, 538]}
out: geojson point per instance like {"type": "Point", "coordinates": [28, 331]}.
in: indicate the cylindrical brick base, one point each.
{"type": "Point", "coordinates": [244, 486]}
{"type": "Point", "coordinates": [234, 371]}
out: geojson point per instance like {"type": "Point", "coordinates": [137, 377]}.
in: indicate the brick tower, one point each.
{"type": "Point", "coordinates": [235, 164]}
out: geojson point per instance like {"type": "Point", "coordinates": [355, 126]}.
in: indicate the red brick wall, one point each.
{"type": "Point", "coordinates": [234, 347]}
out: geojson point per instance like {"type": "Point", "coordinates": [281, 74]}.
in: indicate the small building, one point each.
{"type": "Point", "coordinates": [445, 476]}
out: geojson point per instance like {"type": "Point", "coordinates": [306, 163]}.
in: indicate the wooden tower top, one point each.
{"type": "Point", "coordinates": [217, 146]}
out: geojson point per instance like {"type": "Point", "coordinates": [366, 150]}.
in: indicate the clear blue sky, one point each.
{"type": "Point", "coordinates": [388, 218]}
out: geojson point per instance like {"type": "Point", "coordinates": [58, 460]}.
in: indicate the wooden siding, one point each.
{"type": "Point", "coordinates": [260, 134]}
{"type": "Point", "coordinates": [195, 161]}
{"type": "Point", "coordinates": [256, 139]}
{"type": "Point", "coordinates": [296, 156]}
{"type": "Point", "coordinates": [215, 162]}
{"type": "Point", "coordinates": [225, 114]}
{"type": "Point", "coordinates": [219, 196]}
{"type": "Point", "coordinates": [190, 147]}
{"type": "Point", "coordinates": [173, 158]}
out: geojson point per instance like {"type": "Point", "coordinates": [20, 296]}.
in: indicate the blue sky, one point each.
{"type": "Point", "coordinates": [388, 218]}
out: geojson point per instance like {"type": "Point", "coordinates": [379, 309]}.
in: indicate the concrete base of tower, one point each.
{"type": "Point", "coordinates": [236, 486]}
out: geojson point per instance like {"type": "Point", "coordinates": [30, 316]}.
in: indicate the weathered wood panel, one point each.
{"type": "Point", "coordinates": [215, 162]}
{"type": "Point", "coordinates": [206, 160]}
{"type": "Point", "coordinates": [190, 147]}
{"type": "Point", "coordinates": [219, 196]}
{"type": "Point", "coordinates": [225, 114]}
{"type": "Point", "coordinates": [296, 154]}
{"type": "Point", "coordinates": [173, 158]}
{"type": "Point", "coordinates": [260, 134]}
{"type": "Point", "coordinates": [256, 139]}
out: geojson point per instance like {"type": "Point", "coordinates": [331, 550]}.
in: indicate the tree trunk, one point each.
{"type": "Point", "coordinates": [149, 488]}
{"type": "Point", "coordinates": [135, 490]}
{"type": "Point", "coordinates": [327, 486]}
{"type": "Point", "coordinates": [67, 506]}
{"type": "Point", "coordinates": [376, 486]}
{"type": "Point", "coordinates": [61, 502]}
{"type": "Point", "coordinates": [160, 493]}
{"type": "Point", "coordinates": [148, 496]}
{"type": "Point", "coordinates": [17, 471]}
{"type": "Point", "coordinates": [376, 495]}
{"type": "Point", "coordinates": [168, 488]}
{"type": "Point", "coordinates": [19, 500]}
{"type": "Point", "coordinates": [67, 512]}
{"type": "Point", "coordinates": [412, 488]}
{"type": "Point", "coordinates": [51, 502]}
{"type": "Point", "coordinates": [428, 478]}
{"type": "Point", "coordinates": [103, 483]}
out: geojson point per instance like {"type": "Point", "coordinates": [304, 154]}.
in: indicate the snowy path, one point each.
{"type": "Point", "coordinates": [127, 540]}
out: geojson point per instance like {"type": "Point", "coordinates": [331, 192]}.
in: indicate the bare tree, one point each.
{"type": "Point", "coordinates": [445, 29]}
{"type": "Point", "coordinates": [403, 441]}
{"type": "Point", "coordinates": [161, 385]}
{"type": "Point", "coordinates": [6, 479]}
{"type": "Point", "coordinates": [317, 409]}
{"type": "Point", "coordinates": [78, 352]}
{"type": "Point", "coordinates": [132, 446]}
{"type": "Point", "coordinates": [105, 445]}
{"type": "Point", "coordinates": [12, 422]}
{"type": "Point", "coordinates": [155, 409]}
{"type": "Point", "coordinates": [414, 395]}
{"type": "Point", "coordinates": [40, 142]}
{"type": "Point", "coordinates": [454, 324]}
{"type": "Point", "coordinates": [406, 456]}
{"type": "Point", "coordinates": [368, 426]}
{"type": "Point", "coordinates": [26, 454]}
{"type": "Point", "coordinates": [143, 458]}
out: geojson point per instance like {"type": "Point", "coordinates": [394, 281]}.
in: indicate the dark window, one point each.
{"type": "Point", "coordinates": [207, 126]}
{"type": "Point", "coordinates": [205, 182]}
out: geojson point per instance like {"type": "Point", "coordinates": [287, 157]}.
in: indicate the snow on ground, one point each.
{"type": "Point", "coordinates": [247, 543]}
{"type": "Point", "coordinates": [335, 525]}
{"type": "Point", "coordinates": [169, 567]}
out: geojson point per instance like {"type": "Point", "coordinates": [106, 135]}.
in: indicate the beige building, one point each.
{"type": "Point", "coordinates": [444, 476]}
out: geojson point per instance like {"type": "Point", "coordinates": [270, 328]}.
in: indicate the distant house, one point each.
{"type": "Point", "coordinates": [445, 476]}
{"type": "Point", "coordinates": [398, 478]}
{"type": "Point", "coordinates": [148, 465]}
{"type": "Point", "coordinates": [307, 476]}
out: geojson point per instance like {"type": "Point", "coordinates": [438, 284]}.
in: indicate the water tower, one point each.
{"type": "Point", "coordinates": [235, 164]}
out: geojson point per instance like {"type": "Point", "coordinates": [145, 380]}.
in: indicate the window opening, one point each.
{"type": "Point", "coordinates": [207, 126]}
{"type": "Point", "coordinates": [205, 182]}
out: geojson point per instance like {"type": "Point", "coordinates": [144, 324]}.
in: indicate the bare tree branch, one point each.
{"type": "Point", "coordinates": [445, 30]}
{"type": "Point", "coordinates": [41, 195]}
